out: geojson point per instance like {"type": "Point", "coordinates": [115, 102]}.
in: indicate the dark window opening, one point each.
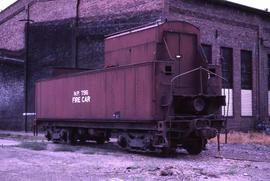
{"type": "Point", "coordinates": [226, 60]}
{"type": "Point", "coordinates": [207, 49]}
{"type": "Point", "coordinates": [246, 69]}
{"type": "Point", "coordinates": [168, 70]}
{"type": "Point", "coordinates": [213, 71]}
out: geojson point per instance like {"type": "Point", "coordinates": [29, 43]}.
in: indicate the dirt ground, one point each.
{"type": "Point", "coordinates": [24, 157]}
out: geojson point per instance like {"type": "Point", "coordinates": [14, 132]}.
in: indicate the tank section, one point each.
{"type": "Point", "coordinates": [115, 93]}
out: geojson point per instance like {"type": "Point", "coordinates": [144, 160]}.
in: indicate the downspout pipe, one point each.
{"type": "Point", "coordinates": [26, 67]}
{"type": "Point", "coordinates": [258, 76]}
{"type": "Point", "coordinates": [75, 30]}
{"type": "Point", "coordinates": [77, 12]}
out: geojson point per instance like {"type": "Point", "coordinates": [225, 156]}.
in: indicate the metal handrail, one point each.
{"type": "Point", "coordinates": [194, 70]}
{"type": "Point", "coordinates": [189, 72]}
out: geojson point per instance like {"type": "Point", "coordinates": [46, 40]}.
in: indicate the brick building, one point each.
{"type": "Point", "coordinates": [70, 33]}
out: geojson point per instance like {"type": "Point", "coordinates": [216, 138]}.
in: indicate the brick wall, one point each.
{"type": "Point", "coordinates": [12, 29]}
{"type": "Point", "coordinates": [230, 27]}
{"type": "Point", "coordinates": [96, 8]}
{"type": "Point", "coordinates": [11, 91]}
{"type": "Point", "coordinates": [11, 33]}
{"type": "Point", "coordinates": [14, 9]}
{"type": "Point", "coordinates": [53, 10]}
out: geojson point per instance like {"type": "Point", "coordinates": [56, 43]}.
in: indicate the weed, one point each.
{"type": "Point", "coordinates": [245, 138]}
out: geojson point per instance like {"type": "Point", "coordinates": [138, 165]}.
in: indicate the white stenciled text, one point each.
{"type": "Point", "coordinates": [81, 96]}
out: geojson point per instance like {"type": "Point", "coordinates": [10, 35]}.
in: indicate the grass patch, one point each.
{"type": "Point", "coordinates": [245, 138]}
{"type": "Point", "coordinates": [37, 146]}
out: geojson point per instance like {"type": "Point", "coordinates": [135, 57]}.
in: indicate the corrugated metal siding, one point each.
{"type": "Point", "coordinates": [246, 102]}
{"type": "Point", "coordinates": [228, 109]}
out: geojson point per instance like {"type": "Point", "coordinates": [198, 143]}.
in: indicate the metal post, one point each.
{"type": "Point", "coordinates": [226, 136]}
{"type": "Point", "coordinates": [218, 140]}
{"type": "Point", "coordinates": [74, 35]}
{"type": "Point", "coordinates": [26, 67]}
{"type": "Point", "coordinates": [26, 75]}
{"type": "Point", "coordinates": [201, 82]}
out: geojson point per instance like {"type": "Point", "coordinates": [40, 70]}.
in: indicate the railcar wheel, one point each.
{"type": "Point", "coordinates": [194, 146]}
{"type": "Point", "coordinates": [204, 144]}
{"type": "Point", "coordinates": [100, 141]}
{"type": "Point", "coordinates": [71, 137]}
{"type": "Point", "coordinates": [122, 142]}
{"type": "Point", "coordinates": [48, 135]}
{"type": "Point", "coordinates": [82, 140]}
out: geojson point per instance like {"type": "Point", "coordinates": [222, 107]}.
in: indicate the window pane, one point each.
{"type": "Point", "coordinates": [226, 59]}
{"type": "Point", "coordinates": [246, 102]}
{"type": "Point", "coordinates": [208, 52]}
{"type": "Point", "coordinates": [246, 70]}
{"type": "Point", "coordinates": [228, 109]}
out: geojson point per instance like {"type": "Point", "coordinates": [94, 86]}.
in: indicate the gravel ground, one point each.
{"type": "Point", "coordinates": [24, 157]}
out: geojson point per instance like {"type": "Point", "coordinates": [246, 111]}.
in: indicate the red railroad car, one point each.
{"type": "Point", "coordinates": [155, 93]}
